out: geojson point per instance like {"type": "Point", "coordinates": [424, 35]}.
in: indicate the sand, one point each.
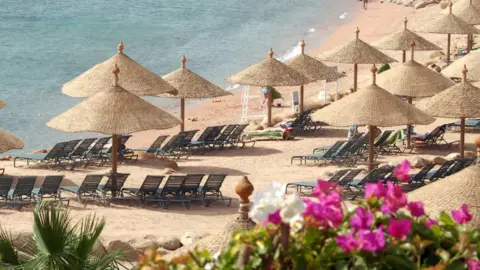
{"type": "Point", "coordinates": [268, 161]}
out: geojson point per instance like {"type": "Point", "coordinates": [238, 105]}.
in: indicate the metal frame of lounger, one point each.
{"type": "Point", "coordinates": [328, 154]}
{"type": "Point", "coordinates": [191, 184]}
{"type": "Point", "coordinates": [88, 190]}
{"type": "Point", "coordinates": [210, 192]}
{"type": "Point", "coordinates": [298, 123]}
{"type": "Point", "coordinates": [156, 145]}
{"type": "Point", "coordinates": [108, 187]}
{"type": "Point", "coordinates": [147, 191]}
{"type": "Point", "coordinates": [173, 187]}
{"type": "Point", "coordinates": [379, 145]}
{"type": "Point", "coordinates": [126, 154]}
{"type": "Point", "coordinates": [172, 149]}
{"type": "Point", "coordinates": [236, 137]}
{"type": "Point", "coordinates": [223, 137]}
{"type": "Point", "coordinates": [419, 178]}
{"type": "Point", "coordinates": [353, 138]}
{"type": "Point", "coordinates": [434, 138]}
{"type": "Point", "coordinates": [22, 194]}
{"type": "Point", "coordinates": [55, 155]}
{"type": "Point", "coordinates": [50, 189]}
{"type": "Point", "coordinates": [203, 144]}
{"type": "Point", "coordinates": [356, 151]}
{"type": "Point", "coordinates": [310, 185]}
{"type": "Point", "coordinates": [440, 173]}
{"type": "Point", "coordinates": [95, 153]}
{"type": "Point", "coordinates": [5, 186]}
{"type": "Point", "coordinates": [349, 177]}
{"type": "Point", "coordinates": [372, 177]}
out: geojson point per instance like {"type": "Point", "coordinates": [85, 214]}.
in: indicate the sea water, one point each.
{"type": "Point", "coordinates": [46, 43]}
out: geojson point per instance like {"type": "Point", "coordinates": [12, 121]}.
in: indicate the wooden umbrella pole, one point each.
{"type": "Point", "coordinates": [269, 104]}
{"type": "Point", "coordinates": [355, 71]}
{"type": "Point", "coordinates": [182, 114]}
{"type": "Point", "coordinates": [462, 137]}
{"type": "Point", "coordinates": [409, 135]}
{"type": "Point", "coordinates": [404, 57]}
{"type": "Point", "coordinates": [371, 151]}
{"type": "Point", "coordinates": [301, 98]}
{"type": "Point", "coordinates": [114, 165]}
{"type": "Point", "coordinates": [449, 37]}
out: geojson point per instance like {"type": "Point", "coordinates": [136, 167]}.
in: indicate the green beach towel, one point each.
{"type": "Point", "coordinates": [383, 68]}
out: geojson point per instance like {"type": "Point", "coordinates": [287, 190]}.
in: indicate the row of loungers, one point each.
{"type": "Point", "coordinates": [183, 145]}
{"type": "Point", "coordinates": [176, 188]}
{"type": "Point", "coordinates": [88, 151]}
{"type": "Point", "coordinates": [347, 177]}
{"type": "Point", "coordinates": [303, 123]}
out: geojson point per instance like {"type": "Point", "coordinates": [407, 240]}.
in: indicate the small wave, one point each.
{"type": "Point", "coordinates": [297, 50]}
{"type": "Point", "coordinates": [311, 30]}
{"type": "Point", "coordinates": [343, 16]}
{"type": "Point", "coordinates": [232, 87]}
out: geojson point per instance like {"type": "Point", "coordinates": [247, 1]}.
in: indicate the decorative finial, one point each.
{"type": "Point", "coordinates": [115, 72]}
{"type": "Point", "coordinates": [405, 22]}
{"type": "Point", "coordinates": [183, 61]}
{"type": "Point", "coordinates": [450, 7]}
{"type": "Point", "coordinates": [120, 47]}
{"type": "Point", "coordinates": [302, 44]}
{"type": "Point", "coordinates": [244, 189]}
{"type": "Point", "coordinates": [357, 32]}
{"type": "Point", "coordinates": [412, 46]}
{"type": "Point", "coordinates": [270, 53]}
{"type": "Point", "coordinates": [374, 73]}
{"type": "Point", "coordinates": [464, 71]}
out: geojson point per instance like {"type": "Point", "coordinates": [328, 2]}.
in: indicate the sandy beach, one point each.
{"type": "Point", "coordinates": [268, 161]}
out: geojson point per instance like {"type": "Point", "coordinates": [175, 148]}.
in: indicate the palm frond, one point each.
{"type": "Point", "coordinates": [89, 230]}
{"type": "Point", "coordinates": [107, 261]}
{"type": "Point", "coordinates": [8, 254]}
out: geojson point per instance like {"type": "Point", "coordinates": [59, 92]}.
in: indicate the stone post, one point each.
{"type": "Point", "coordinates": [244, 190]}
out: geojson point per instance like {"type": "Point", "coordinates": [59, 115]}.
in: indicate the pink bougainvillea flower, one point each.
{"type": "Point", "coordinates": [375, 190]}
{"type": "Point", "coordinates": [274, 218]}
{"type": "Point", "coordinates": [430, 222]}
{"type": "Point", "coordinates": [402, 171]}
{"type": "Point", "coordinates": [371, 240]}
{"type": "Point", "coordinates": [323, 188]}
{"type": "Point", "coordinates": [473, 265]}
{"type": "Point", "coordinates": [323, 214]}
{"type": "Point", "coordinates": [362, 220]}
{"type": "Point", "coordinates": [399, 228]}
{"type": "Point", "coordinates": [416, 209]}
{"type": "Point", "coordinates": [347, 242]}
{"type": "Point", "coordinates": [395, 198]}
{"type": "Point", "coordinates": [462, 216]}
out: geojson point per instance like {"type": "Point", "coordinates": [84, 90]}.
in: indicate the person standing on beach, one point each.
{"type": "Point", "coordinates": [365, 2]}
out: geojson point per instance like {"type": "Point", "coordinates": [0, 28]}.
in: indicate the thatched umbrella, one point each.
{"type": "Point", "coordinates": [471, 15]}
{"type": "Point", "coordinates": [448, 24]}
{"type": "Point", "coordinates": [270, 72]}
{"type": "Point", "coordinates": [190, 86]}
{"type": "Point", "coordinates": [473, 62]}
{"type": "Point", "coordinates": [137, 79]}
{"type": "Point", "coordinates": [356, 52]}
{"type": "Point", "coordinates": [400, 41]}
{"type": "Point", "coordinates": [450, 193]}
{"type": "Point", "coordinates": [460, 101]}
{"type": "Point", "coordinates": [113, 111]}
{"type": "Point", "coordinates": [413, 80]}
{"type": "Point", "coordinates": [311, 68]}
{"type": "Point", "coordinates": [372, 106]}
{"type": "Point", "coordinates": [9, 142]}
{"type": "Point", "coordinates": [459, 5]}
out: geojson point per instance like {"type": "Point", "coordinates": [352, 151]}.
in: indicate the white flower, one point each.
{"type": "Point", "coordinates": [291, 207]}
{"type": "Point", "coordinates": [267, 202]}
{"type": "Point", "coordinates": [296, 223]}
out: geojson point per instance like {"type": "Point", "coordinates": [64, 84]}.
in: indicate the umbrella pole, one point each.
{"type": "Point", "coordinates": [449, 37]}
{"type": "Point", "coordinates": [371, 153]}
{"type": "Point", "coordinates": [301, 98]}
{"type": "Point", "coordinates": [404, 56]}
{"type": "Point", "coordinates": [182, 114]}
{"type": "Point", "coordinates": [114, 164]}
{"type": "Point", "coordinates": [269, 104]}
{"type": "Point", "coordinates": [355, 70]}
{"type": "Point", "coordinates": [409, 136]}
{"type": "Point", "coordinates": [462, 137]}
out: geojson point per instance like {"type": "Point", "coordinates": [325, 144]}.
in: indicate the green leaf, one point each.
{"type": "Point", "coordinates": [445, 218]}
{"type": "Point", "coordinates": [400, 263]}
{"type": "Point", "coordinates": [341, 265]}
{"type": "Point", "coordinates": [443, 254]}
{"type": "Point", "coordinates": [8, 254]}
{"type": "Point", "coordinates": [456, 265]}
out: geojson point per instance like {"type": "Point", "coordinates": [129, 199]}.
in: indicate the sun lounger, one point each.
{"type": "Point", "coordinates": [22, 193]}
{"type": "Point", "coordinates": [188, 137]}
{"type": "Point", "coordinates": [236, 138]}
{"type": "Point", "coordinates": [419, 178]}
{"type": "Point", "coordinates": [5, 185]}
{"type": "Point", "coordinates": [50, 189]}
{"type": "Point", "coordinates": [173, 148]}
{"type": "Point", "coordinates": [155, 147]}
{"type": "Point", "coordinates": [204, 141]}
{"type": "Point", "coordinates": [88, 189]}
{"type": "Point", "coordinates": [356, 151]}
{"type": "Point", "coordinates": [310, 185]}
{"type": "Point", "coordinates": [440, 173]}
{"type": "Point", "coordinates": [94, 154]}
{"type": "Point", "coordinates": [221, 140]}
{"type": "Point", "coordinates": [192, 183]}
{"type": "Point", "coordinates": [470, 123]}
{"type": "Point", "coordinates": [172, 192]}
{"type": "Point", "coordinates": [372, 177]}
{"type": "Point", "coordinates": [148, 190]}
{"type": "Point", "coordinates": [353, 138]}
{"type": "Point", "coordinates": [108, 186]}
{"type": "Point", "coordinates": [55, 156]}
{"type": "Point", "coordinates": [348, 178]}
{"type": "Point", "coordinates": [210, 191]}
{"type": "Point", "coordinates": [434, 138]}
{"type": "Point", "coordinates": [320, 156]}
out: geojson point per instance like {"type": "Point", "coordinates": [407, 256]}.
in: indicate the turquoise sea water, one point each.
{"type": "Point", "coordinates": [46, 43]}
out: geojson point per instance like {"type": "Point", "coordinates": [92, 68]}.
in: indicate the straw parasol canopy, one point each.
{"type": "Point", "coordinates": [269, 72]}
{"type": "Point", "coordinates": [372, 106]}
{"type": "Point", "coordinates": [113, 111]}
{"type": "Point", "coordinates": [472, 60]}
{"type": "Point", "coordinates": [190, 86]}
{"type": "Point", "coordinates": [469, 14]}
{"type": "Point", "coordinates": [460, 5]}
{"type": "Point", "coordinates": [311, 68]}
{"type": "Point", "coordinates": [412, 79]}
{"type": "Point", "coordinates": [356, 52]}
{"type": "Point", "coordinates": [9, 142]}
{"type": "Point", "coordinates": [450, 193]}
{"type": "Point", "coordinates": [137, 79]}
{"type": "Point", "coordinates": [448, 24]}
{"type": "Point", "coordinates": [400, 41]}
{"type": "Point", "coordinates": [460, 101]}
